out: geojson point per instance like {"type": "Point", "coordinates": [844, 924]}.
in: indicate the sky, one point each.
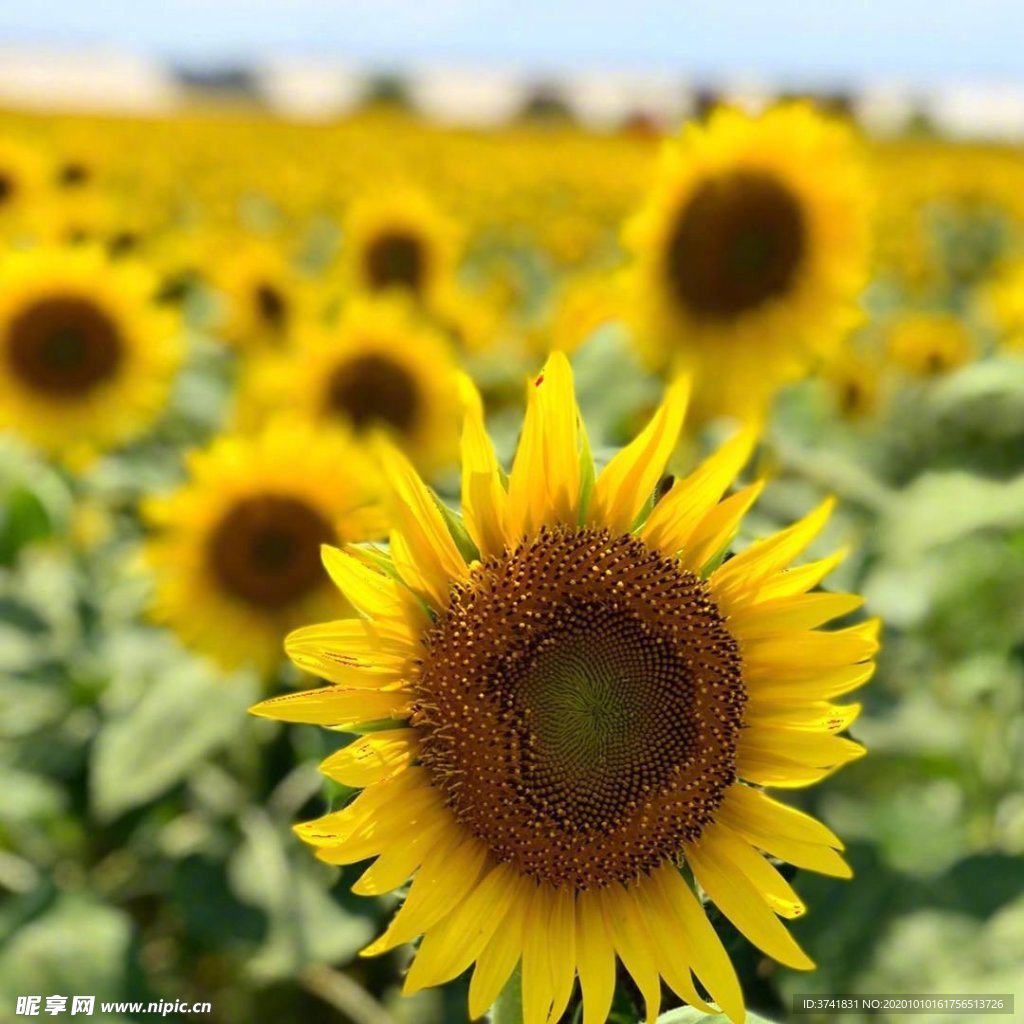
{"type": "Point", "coordinates": [818, 41]}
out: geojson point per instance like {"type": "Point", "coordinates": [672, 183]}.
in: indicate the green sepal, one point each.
{"type": "Point", "coordinates": [457, 528]}
{"type": "Point", "coordinates": [648, 506]}
{"type": "Point", "coordinates": [715, 560]}
{"type": "Point", "coordinates": [379, 557]}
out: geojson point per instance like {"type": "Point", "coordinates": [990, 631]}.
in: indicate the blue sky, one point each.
{"type": "Point", "coordinates": [818, 40]}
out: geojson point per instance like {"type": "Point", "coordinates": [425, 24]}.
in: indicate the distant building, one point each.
{"type": "Point", "coordinates": [310, 89]}
{"type": "Point", "coordinates": [86, 80]}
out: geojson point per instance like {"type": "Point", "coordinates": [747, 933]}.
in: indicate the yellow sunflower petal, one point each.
{"type": "Point", "coordinates": [397, 863]}
{"type": "Point", "coordinates": [453, 944]}
{"type": "Point", "coordinates": [708, 957]}
{"type": "Point", "coordinates": [809, 856]}
{"type": "Point", "coordinates": [817, 716]}
{"type": "Point", "coordinates": [734, 895]}
{"type": "Point", "coordinates": [670, 526]}
{"type": "Point", "coordinates": [768, 555]}
{"type": "Point", "coordinates": [800, 579]}
{"type": "Point", "coordinates": [595, 959]}
{"type": "Point", "coordinates": [433, 552]}
{"type": "Point", "coordinates": [669, 944]}
{"type": "Point", "coordinates": [373, 594]}
{"type": "Point", "coordinates": [820, 649]}
{"type": "Point", "coordinates": [389, 824]}
{"type": "Point", "coordinates": [538, 983]}
{"type": "Point", "coordinates": [629, 479]}
{"type": "Point", "coordinates": [500, 956]}
{"type": "Point", "coordinates": [484, 500]}
{"type": "Point", "coordinates": [786, 614]}
{"type": "Point", "coordinates": [371, 758]}
{"type": "Point", "coordinates": [791, 758]}
{"type": "Point", "coordinates": [404, 563]}
{"type": "Point", "coordinates": [444, 881]}
{"type": "Point", "coordinates": [544, 485]}
{"type": "Point", "coordinates": [806, 682]}
{"type": "Point", "coordinates": [410, 788]}
{"type": "Point", "coordinates": [716, 529]}
{"type": "Point", "coordinates": [561, 949]}
{"type": "Point", "coordinates": [719, 840]}
{"type": "Point", "coordinates": [624, 924]}
{"type": "Point", "coordinates": [782, 831]}
{"type": "Point", "coordinates": [352, 652]}
{"type": "Point", "coordinates": [754, 813]}
{"type": "Point", "coordinates": [335, 705]}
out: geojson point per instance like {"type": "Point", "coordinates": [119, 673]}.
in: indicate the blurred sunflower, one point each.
{"type": "Point", "coordinates": [74, 172]}
{"type": "Point", "coordinates": [380, 368]}
{"type": "Point", "coordinates": [1002, 302]}
{"type": "Point", "coordinates": [261, 295]}
{"type": "Point", "coordinates": [22, 177]}
{"type": "Point", "coordinates": [399, 240]}
{"type": "Point", "coordinates": [581, 698]}
{"type": "Point", "coordinates": [236, 552]}
{"type": "Point", "coordinates": [470, 320]}
{"type": "Point", "coordinates": [86, 358]}
{"type": "Point", "coordinates": [74, 218]}
{"type": "Point", "coordinates": [749, 253]}
{"type": "Point", "coordinates": [854, 380]}
{"type": "Point", "coordinates": [584, 304]}
{"type": "Point", "coordinates": [929, 344]}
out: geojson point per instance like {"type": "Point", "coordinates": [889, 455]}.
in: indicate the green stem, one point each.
{"type": "Point", "coordinates": [509, 1007]}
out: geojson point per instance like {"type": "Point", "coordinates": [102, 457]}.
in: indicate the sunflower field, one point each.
{"type": "Point", "coordinates": [523, 573]}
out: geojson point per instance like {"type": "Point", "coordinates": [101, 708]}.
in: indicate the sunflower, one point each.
{"type": "Point", "coordinates": [22, 178]}
{"type": "Point", "coordinates": [80, 163]}
{"type": "Point", "coordinates": [470, 320]}
{"type": "Point", "coordinates": [86, 358]}
{"type": "Point", "coordinates": [262, 296]}
{"type": "Point", "coordinates": [749, 253]}
{"type": "Point", "coordinates": [854, 380]}
{"type": "Point", "coordinates": [930, 344]}
{"type": "Point", "coordinates": [380, 369]}
{"type": "Point", "coordinates": [236, 549]}
{"type": "Point", "coordinates": [568, 697]}
{"type": "Point", "coordinates": [585, 303]}
{"type": "Point", "coordinates": [1002, 304]}
{"type": "Point", "coordinates": [398, 240]}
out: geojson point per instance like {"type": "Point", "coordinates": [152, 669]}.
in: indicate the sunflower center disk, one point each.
{"type": "Point", "coordinates": [6, 188]}
{"type": "Point", "coordinates": [395, 260]}
{"type": "Point", "coordinates": [271, 306]}
{"type": "Point", "coordinates": [579, 704]}
{"type": "Point", "coordinates": [266, 550]}
{"type": "Point", "coordinates": [73, 174]}
{"type": "Point", "coordinates": [738, 243]}
{"type": "Point", "coordinates": [63, 347]}
{"type": "Point", "coordinates": [371, 391]}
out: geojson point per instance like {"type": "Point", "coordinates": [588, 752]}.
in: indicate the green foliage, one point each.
{"type": "Point", "coordinates": [185, 711]}
{"type": "Point", "coordinates": [689, 1015]}
{"type": "Point", "coordinates": [77, 946]}
{"type": "Point", "coordinates": [305, 926]}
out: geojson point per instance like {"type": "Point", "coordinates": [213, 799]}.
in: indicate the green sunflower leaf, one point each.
{"type": "Point", "coordinates": [23, 520]}
{"type": "Point", "coordinates": [79, 946]}
{"type": "Point", "coordinates": [690, 1015]}
{"type": "Point", "coordinates": [186, 712]}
